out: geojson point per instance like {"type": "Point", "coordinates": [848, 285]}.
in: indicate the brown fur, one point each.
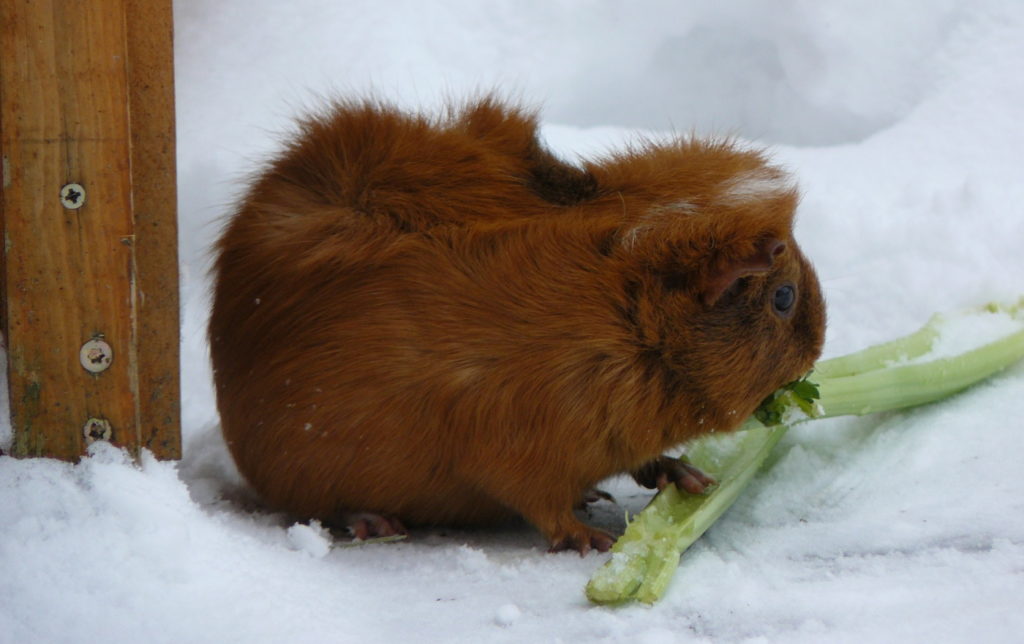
{"type": "Point", "coordinates": [438, 320]}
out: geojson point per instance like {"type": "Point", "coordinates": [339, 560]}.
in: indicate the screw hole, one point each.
{"type": "Point", "coordinates": [97, 429]}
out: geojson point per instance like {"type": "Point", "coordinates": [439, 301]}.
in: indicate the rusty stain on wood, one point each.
{"type": "Point", "coordinates": [86, 97]}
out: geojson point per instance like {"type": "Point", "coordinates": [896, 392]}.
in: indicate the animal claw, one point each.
{"type": "Point", "coordinates": [366, 525]}
{"type": "Point", "coordinates": [666, 469]}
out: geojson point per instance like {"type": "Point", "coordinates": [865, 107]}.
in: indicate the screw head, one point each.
{"type": "Point", "coordinates": [97, 429]}
{"type": "Point", "coordinates": [72, 196]}
{"type": "Point", "coordinates": [96, 355]}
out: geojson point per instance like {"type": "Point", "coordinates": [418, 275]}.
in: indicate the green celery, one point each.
{"type": "Point", "coordinates": [875, 379]}
{"type": "Point", "coordinates": [645, 558]}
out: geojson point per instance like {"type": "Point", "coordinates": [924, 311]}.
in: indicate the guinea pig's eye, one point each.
{"type": "Point", "coordinates": [784, 299]}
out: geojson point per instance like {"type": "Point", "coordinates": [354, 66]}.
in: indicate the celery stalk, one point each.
{"type": "Point", "coordinates": [914, 384]}
{"type": "Point", "coordinates": [879, 378]}
{"type": "Point", "coordinates": [645, 558]}
{"type": "Point", "coordinates": [881, 355]}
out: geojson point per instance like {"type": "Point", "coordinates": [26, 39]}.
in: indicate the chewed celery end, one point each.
{"type": "Point", "coordinates": [788, 403]}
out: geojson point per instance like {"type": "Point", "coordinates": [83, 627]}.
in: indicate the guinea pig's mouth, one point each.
{"type": "Point", "coordinates": [800, 393]}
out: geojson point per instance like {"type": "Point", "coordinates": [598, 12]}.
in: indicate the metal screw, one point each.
{"type": "Point", "coordinates": [96, 355]}
{"type": "Point", "coordinates": [97, 429]}
{"type": "Point", "coordinates": [72, 196]}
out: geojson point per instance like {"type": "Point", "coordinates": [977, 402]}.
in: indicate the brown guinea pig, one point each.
{"type": "Point", "coordinates": [436, 321]}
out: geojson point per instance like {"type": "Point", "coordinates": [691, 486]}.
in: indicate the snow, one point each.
{"type": "Point", "coordinates": [901, 123]}
{"type": "Point", "coordinates": [313, 539]}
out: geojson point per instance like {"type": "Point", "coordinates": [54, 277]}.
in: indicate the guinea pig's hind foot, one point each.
{"type": "Point", "coordinates": [667, 469]}
{"type": "Point", "coordinates": [366, 525]}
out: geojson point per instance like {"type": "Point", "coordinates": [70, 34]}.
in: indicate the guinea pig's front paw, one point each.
{"type": "Point", "coordinates": [667, 469]}
{"type": "Point", "coordinates": [582, 538]}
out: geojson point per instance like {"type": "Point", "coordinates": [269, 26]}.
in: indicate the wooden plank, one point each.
{"type": "Point", "coordinates": [154, 197]}
{"type": "Point", "coordinates": [71, 274]}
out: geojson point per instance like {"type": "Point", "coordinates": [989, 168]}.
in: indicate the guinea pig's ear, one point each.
{"type": "Point", "coordinates": [722, 277]}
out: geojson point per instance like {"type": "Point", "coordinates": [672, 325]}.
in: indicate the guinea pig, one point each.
{"type": "Point", "coordinates": [435, 321]}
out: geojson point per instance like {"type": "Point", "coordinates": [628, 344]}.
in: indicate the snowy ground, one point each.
{"type": "Point", "coordinates": [903, 124]}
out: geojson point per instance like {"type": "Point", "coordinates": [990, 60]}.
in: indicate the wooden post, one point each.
{"type": "Point", "coordinates": [90, 274]}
